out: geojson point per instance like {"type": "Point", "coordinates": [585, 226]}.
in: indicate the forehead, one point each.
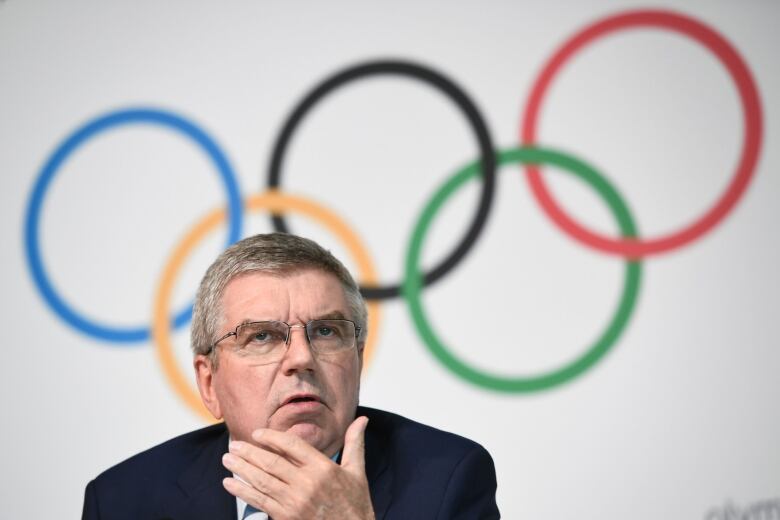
{"type": "Point", "coordinates": [301, 295]}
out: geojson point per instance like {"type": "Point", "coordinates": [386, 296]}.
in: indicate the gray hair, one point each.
{"type": "Point", "coordinates": [276, 253]}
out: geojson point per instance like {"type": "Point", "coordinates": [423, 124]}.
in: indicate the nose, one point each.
{"type": "Point", "coordinates": [298, 357]}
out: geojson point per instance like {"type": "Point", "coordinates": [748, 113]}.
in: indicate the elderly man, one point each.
{"type": "Point", "coordinates": [278, 333]}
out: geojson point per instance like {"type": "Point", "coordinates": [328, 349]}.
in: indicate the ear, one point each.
{"type": "Point", "coordinates": [205, 373]}
{"type": "Point", "coordinates": [360, 349]}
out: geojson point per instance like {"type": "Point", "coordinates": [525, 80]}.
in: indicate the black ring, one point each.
{"type": "Point", "coordinates": [487, 153]}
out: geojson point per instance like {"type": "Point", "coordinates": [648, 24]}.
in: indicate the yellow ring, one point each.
{"type": "Point", "coordinates": [275, 202]}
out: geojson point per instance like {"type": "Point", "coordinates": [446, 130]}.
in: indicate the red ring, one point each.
{"type": "Point", "coordinates": [751, 106]}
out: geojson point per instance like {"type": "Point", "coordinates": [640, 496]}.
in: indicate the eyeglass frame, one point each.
{"type": "Point", "coordinates": [304, 326]}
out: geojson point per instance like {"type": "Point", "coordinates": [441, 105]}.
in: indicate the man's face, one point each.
{"type": "Point", "coordinates": [311, 396]}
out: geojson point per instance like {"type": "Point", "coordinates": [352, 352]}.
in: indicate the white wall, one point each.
{"type": "Point", "coordinates": [678, 420]}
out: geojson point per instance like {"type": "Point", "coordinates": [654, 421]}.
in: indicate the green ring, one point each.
{"type": "Point", "coordinates": [413, 277]}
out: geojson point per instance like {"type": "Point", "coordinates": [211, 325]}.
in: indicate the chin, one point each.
{"type": "Point", "coordinates": [311, 433]}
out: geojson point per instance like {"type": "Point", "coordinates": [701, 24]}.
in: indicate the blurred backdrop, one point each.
{"type": "Point", "coordinates": [609, 378]}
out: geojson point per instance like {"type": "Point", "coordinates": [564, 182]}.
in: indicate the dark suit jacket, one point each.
{"type": "Point", "coordinates": [414, 471]}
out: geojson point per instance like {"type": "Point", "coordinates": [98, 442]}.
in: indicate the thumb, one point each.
{"type": "Point", "coordinates": [353, 458]}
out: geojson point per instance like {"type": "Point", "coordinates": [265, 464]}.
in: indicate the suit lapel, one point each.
{"type": "Point", "coordinates": [205, 497]}
{"type": "Point", "coordinates": [378, 471]}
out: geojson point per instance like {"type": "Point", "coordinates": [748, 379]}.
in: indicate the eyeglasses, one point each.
{"type": "Point", "coordinates": [268, 339]}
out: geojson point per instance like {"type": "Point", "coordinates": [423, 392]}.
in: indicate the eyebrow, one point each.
{"type": "Point", "coordinates": [332, 315]}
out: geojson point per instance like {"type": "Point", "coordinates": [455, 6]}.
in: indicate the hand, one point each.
{"type": "Point", "coordinates": [287, 478]}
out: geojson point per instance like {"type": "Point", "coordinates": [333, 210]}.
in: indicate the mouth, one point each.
{"type": "Point", "coordinates": [303, 401]}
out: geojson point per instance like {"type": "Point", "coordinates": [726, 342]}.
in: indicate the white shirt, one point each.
{"type": "Point", "coordinates": [241, 508]}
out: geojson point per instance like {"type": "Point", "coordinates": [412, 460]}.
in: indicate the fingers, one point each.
{"type": "Point", "coordinates": [288, 478]}
{"type": "Point", "coordinates": [271, 463]}
{"type": "Point", "coordinates": [252, 496]}
{"type": "Point", "coordinates": [253, 476]}
{"type": "Point", "coordinates": [353, 458]}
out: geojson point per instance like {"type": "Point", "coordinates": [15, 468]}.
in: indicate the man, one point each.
{"type": "Point", "coordinates": [278, 332]}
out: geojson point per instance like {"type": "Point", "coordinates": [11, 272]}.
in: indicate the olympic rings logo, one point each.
{"type": "Point", "coordinates": [529, 154]}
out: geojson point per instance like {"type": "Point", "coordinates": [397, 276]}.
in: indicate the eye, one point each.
{"type": "Point", "coordinates": [262, 336]}
{"type": "Point", "coordinates": [325, 332]}
{"type": "Point", "coordinates": [332, 330]}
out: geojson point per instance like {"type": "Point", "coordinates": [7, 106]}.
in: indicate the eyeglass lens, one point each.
{"type": "Point", "coordinates": [269, 338]}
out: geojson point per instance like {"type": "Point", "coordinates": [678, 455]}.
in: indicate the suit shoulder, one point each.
{"type": "Point", "coordinates": [165, 459]}
{"type": "Point", "coordinates": [429, 473]}
{"type": "Point", "coordinates": [414, 436]}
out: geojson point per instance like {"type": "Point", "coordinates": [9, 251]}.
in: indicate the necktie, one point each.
{"type": "Point", "coordinates": [250, 510]}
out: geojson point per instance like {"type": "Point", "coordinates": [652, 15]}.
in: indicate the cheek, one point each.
{"type": "Point", "coordinates": [243, 394]}
{"type": "Point", "coordinates": [345, 380]}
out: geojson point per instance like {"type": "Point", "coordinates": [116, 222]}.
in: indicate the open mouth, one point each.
{"type": "Point", "coordinates": [302, 399]}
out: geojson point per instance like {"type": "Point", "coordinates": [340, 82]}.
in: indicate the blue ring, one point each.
{"type": "Point", "coordinates": [60, 155]}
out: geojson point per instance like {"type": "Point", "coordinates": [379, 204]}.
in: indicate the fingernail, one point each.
{"type": "Point", "coordinates": [234, 446]}
{"type": "Point", "coordinates": [228, 459]}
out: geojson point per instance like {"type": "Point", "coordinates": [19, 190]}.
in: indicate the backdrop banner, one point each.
{"type": "Point", "coordinates": [562, 215]}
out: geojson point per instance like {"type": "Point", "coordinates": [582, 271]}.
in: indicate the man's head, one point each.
{"type": "Point", "coordinates": [312, 393]}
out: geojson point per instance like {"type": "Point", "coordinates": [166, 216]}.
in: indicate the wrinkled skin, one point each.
{"type": "Point", "coordinates": [282, 449]}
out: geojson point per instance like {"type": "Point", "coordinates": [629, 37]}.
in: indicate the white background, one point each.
{"type": "Point", "coordinates": [679, 420]}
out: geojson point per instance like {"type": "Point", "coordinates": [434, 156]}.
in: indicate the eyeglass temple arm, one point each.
{"type": "Point", "coordinates": [214, 345]}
